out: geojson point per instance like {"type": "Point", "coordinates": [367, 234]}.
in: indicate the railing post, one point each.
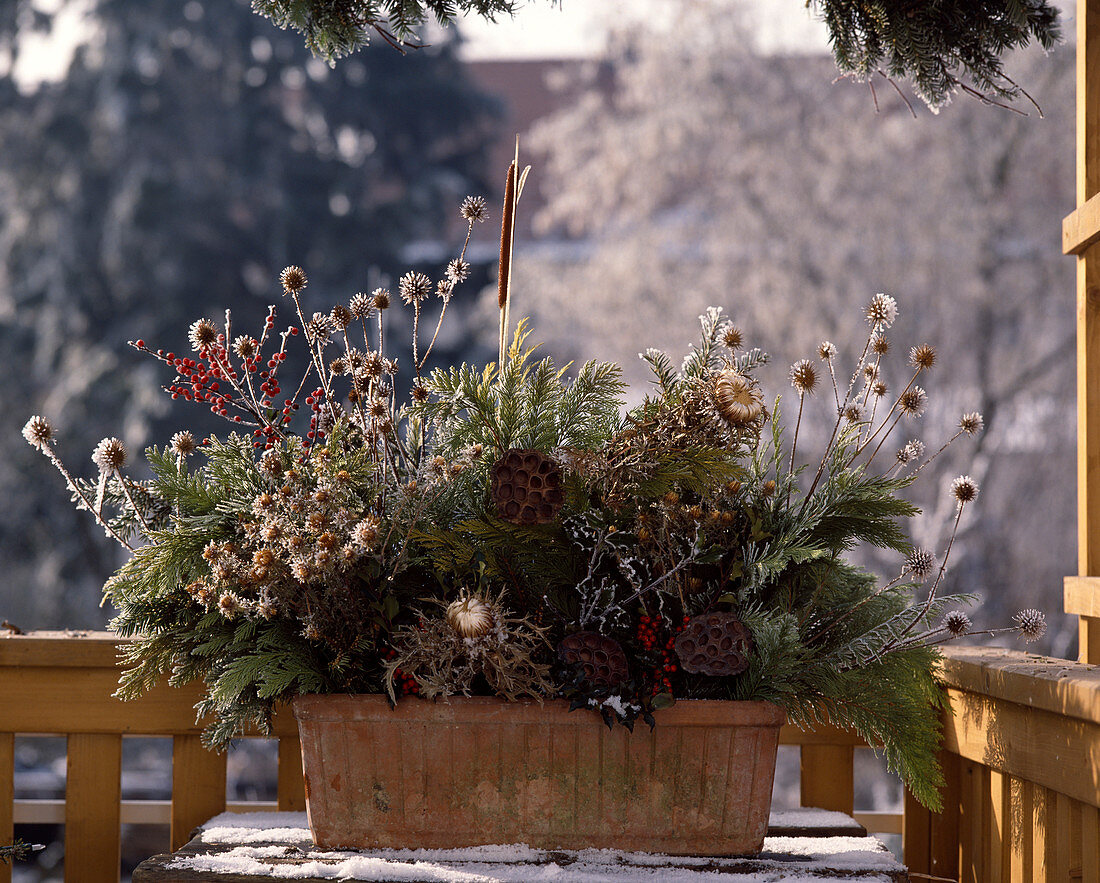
{"type": "Point", "coordinates": [292, 788]}
{"type": "Point", "coordinates": [93, 797]}
{"type": "Point", "coordinates": [827, 775]}
{"type": "Point", "coordinates": [7, 797]}
{"type": "Point", "coordinates": [198, 786]}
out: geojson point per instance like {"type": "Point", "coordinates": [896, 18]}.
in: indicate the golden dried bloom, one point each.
{"type": "Point", "coordinates": [826, 351]}
{"type": "Point", "coordinates": [964, 489]}
{"type": "Point", "coordinates": [737, 401]}
{"type": "Point", "coordinates": [109, 455]}
{"type": "Point", "coordinates": [671, 499]}
{"type": "Point", "coordinates": [245, 346]}
{"type": "Point", "coordinates": [380, 298]}
{"type": "Point", "coordinates": [202, 334]}
{"type": "Point", "coordinates": [183, 444]}
{"type": "Point", "coordinates": [922, 357]}
{"type": "Point", "coordinates": [38, 432]}
{"type": "Point", "coordinates": [696, 512]}
{"type": "Point", "coordinates": [768, 488]}
{"type": "Point", "coordinates": [804, 376]}
{"type": "Point", "coordinates": [229, 606]}
{"type": "Point", "coordinates": [471, 617]}
{"type": "Point", "coordinates": [912, 402]}
{"type": "Point", "coordinates": [880, 345]}
{"type": "Point", "coordinates": [293, 279]}
{"type": "Point", "coordinates": [732, 337]}
{"type": "Point", "coordinates": [473, 209]}
{"type": "Point", "coordinates": [365, 533]}
{"type": "Point", "coordinates": [972, 423]}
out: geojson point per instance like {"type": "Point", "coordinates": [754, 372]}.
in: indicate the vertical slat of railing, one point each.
{"type": "Point", "coordinates": [198, 786]}
{"type": "Point", "coordinates": [1090, 843]}
{"type": "Point", "coordinates": [827, 777]}
{"type": "Point", "coordinates": [93, 795]}
{"type": "Point", "coordinates": [1059, 851]}
{"type": "Point", "coordinates": [7, 797]}
{"type": "Point", "coordinates": [1020, 845]}
{"type": "Point", "coordinates": [292, 789]}
{"type": "Point", "coordinates": [930, 841]}
{"type": "Point", "coordinates": [999, 825]}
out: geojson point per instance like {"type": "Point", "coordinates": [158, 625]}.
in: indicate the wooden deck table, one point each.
{"type": "Point", "coordinates": [802, 845]}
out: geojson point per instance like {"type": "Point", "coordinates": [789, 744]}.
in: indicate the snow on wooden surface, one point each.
{"type": "Point", "coordinates": [278, 846]}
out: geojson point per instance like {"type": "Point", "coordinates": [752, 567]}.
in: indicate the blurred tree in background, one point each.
{"type": "Point", "coordinates": [190, 153]}
{"type": "Point", "coordinates": [752, 183]}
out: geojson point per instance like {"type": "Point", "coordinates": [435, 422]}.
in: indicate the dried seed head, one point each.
{"type": "Point", "coordinates": [202, 334]}
{"type": "Point", "coordinates": [271, 464]}
{"type": "Point", "coordinates": [458, 270]}
{"type": "Point", "coordinates": [360, 305]}
{"type": "Point", "coordinates": [957, 623]}
{"type": "Point", "coordinates": [882, 311]}
{"type": "Point", "coordinates": [473, 208]}
{"type": "Point", "coordinates": [826, 351]}
{"type": "Point", "coordinates": [183, 444]}
{"type": "Point", "coordinates": [922, 357]}
{"type": "Point", "coordinates": [915, 447]}
{"type": "Point", "coordinates": [879, 388]}
{"type": "Point", "coordinates": [293, 279]}
{"type": "Point", "coordinates": [38, 432]}
{"type": "Point", "coordinates": [1032, 624]}
{"type": "Point", "coordinates": [414, 287]}
{"type": "Point", "coordinates": [245, 347]}
{"type": "Point", "coordinates": [317, 326]}
{"type": "Point", "coordinates": [880, 345]}
{"type": "Point", "coordinates": [381, 298]}
{"type": "Point", "coordinates": [338, 366]}
{"type": "Point", "coordinates": [870, 372]}
{"type": "Point", "coordinates": [964, 489]}
{"type": "Point", "coordinates": [913, 401]}
{"type": "Point", "coordinates": [364, 535]}
{"type": "Point", "coordinates": [340, 317]}
{"type": "Point", "coordinates": [971, 423]}
{"type": "Point", "coordinates": [737, 401]}
{"type": "Point", "coordinates": [732, 337]}
{"type": "Point", "coordinates": [920, 564]}
{"type": "Point", "coordinates": [419, 393]}
{"type": "Point", "coordinates": [853, 413]}
{"type": "Point", "coordinates": [903, 455]}
{"type": "Point", "coordinates": [109, 455]}
{"type": "Point", "coordinates": [229, 606]}
{"type": "Point", "coordinates": [804, 376]}
{"type": "Point", "coordinates": [471, 617]}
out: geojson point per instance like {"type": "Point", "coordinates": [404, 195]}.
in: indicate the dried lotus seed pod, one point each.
{"type": "Point", "coordinates": [602, 659]}
{"type": "Point", "coordinates": [526, 487]}
{"type": "Point", "coordinates": [716, 644]}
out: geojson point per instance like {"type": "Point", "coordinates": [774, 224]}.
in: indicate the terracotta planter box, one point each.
{"type": "Point", "coordinates": [479, 771]}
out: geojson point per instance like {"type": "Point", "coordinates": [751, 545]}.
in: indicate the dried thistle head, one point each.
{"type": "Point", "coordinates": [380, 298]}
{"type": "Point", "coordinates": [1032, 624]}
{"type": "Point", "coordinates": [972, 423]}
{"type": "Point", "coordinates": [458, 270]}
{"type": "Point", "coordinates": [737, 399]}
{"type": "Point", "coordinates": [922, 357]}
{"type": "Point", "coordinates": [920, 564]}
{"type": "Point", "coordinates": [182, 444]}
{"type": "Point", "coordinates": [202, 334]}
{"type": "Point", "coordinates": [882, 311]}
{"type": "Point", "coordinates": [245, 346]}
{"type": "Point", "coordinates": [804, 377]}
{"type": "Point", "coordinates": [732, 337]}
{"type": "Point", "coordinates": [293, 279]}
{"type": "Point", "coordinates": [957, 623]}
{"type": "Point", "coordinates": [340, 317]}
{"type": "Point", "coordinates": [470, 616]}
{"type": "Point", "coordinates": [879, 389]}
{"type": "Point", "coordinates": [38, 432]}
{"type": "Point", "coordinates": [414, 287]}
{"type": "Point", "coordinates": [826, 351]}
{"type": "Point", "coordinates": [853, 413]}
{"type": "Point", "coordinates": [109, 455]}
{"type": "Point", "coordinates": [361, 305]}
{"type": "Point", "coordinates": [964, 489]}
{"type": "Point", "coordinates": [473, 209]}
{"type": "Point", "coordinates": [912, 402]}
{"type": "Point", "coordinates": [880, 344]}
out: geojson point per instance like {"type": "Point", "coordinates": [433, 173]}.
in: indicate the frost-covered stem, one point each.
{"type": "Point", "coordinates": [684, 562]}
{"type": "Point", "coordinates": [844, 614]}
{"type": "Point", "coordinates": [945, 446]}
{"type": "Point", "coordinates": [882, 441]}
{"type": "Point", "coordinates": [794, 443]}
{"type": "Point", "coordinates": [315, 358]}
{"type": "Point", "coordinates": [446, 301]}
{"type": "Point", "coordinates": [358, 399]}
{"type": "Point", "coordinates": [416, 332]}
{"type": "Point", "coordinates": [71, 484]}
{"type": "Point", "coordinates": [836, 389]}
{"type": "Point", "coordinates": [133, 505]}
{"type": "Point", "coordinates": [886, 419]}
{"type": "Point", "coordinates": [839, 418]}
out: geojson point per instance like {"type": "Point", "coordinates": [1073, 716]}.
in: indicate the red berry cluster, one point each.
{"type": "Point", "coordinates": [649, 636]}
{"type": "Point", "coordinates": [406, 683]}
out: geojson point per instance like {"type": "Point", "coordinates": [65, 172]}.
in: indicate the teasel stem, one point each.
{"type": "Point", "coordinates": [443, 312]}
{"type": "Point", "coordinates": [945, 446]}
{"type": "Point", "coordinates": [70, 482]}
{"type": "Point", "coordinates": [315, 358]}
{"type": "Point", "coordinates": [844, 614]}
{"type": "Point", "coordinates": [358, 398]}
{"type": "Point", "coordinates": [839, 418]}
{"type": "Point", "coordinates": [133, 505]}
{"type": "Point", "coordinates": [836, 389]}
{"type": "Point", "coordinates": [885, 420]}
{"type": "Point", "coordinates": [881, 442]}
{"type": "Point", "coordinates": [794, 443]}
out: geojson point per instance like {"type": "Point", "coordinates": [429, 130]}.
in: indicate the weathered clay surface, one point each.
{"type": "Point", "coordinates": [480, 771]}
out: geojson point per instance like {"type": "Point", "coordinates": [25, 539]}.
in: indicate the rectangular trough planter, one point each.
{"type": "Point", "coordinates": [477, 771]}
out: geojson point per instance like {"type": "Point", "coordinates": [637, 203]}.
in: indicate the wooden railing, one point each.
{"type": "Point", "coordinates": [1022, 762]}
{"type": "Point", "coordinates": [1021, 754]}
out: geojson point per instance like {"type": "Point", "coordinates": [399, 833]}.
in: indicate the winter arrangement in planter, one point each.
{"type": "Point", "coordinates": [458, 591]}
